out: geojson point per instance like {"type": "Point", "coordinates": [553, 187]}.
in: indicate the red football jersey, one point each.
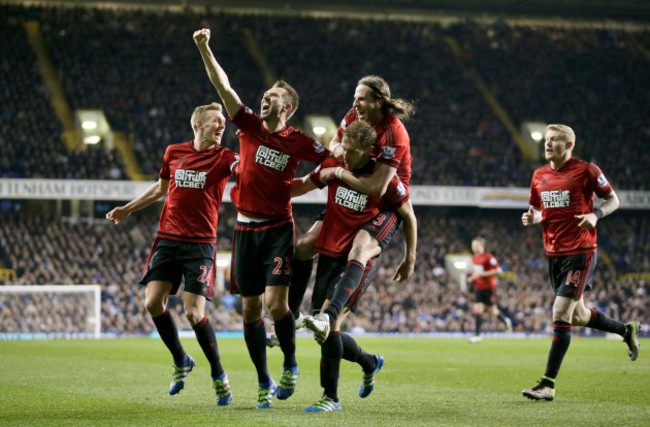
{"type": "Point", "coordinates": [485, 262]}
{"type": "Point", "coordinates": [196, 183]}
{"type": "Point", "coordinates": [393, 146]}
{"type": "Point", "coordinates": [268, 164]}
{"type": "Point", "coordinates": [348, 210]}
{"type": "Point", "coordinates": [561, 194]}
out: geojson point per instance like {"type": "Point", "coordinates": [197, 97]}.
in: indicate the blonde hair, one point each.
{"type": "Point", "coordinates": [361, 133]}
{"type": "Point", "coordinates": [199, 114]}
{"type": "Point", "coordinates": [568, 135]}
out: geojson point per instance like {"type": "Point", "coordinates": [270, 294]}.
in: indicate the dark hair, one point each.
{"type": "Point", "coordinates": [362, 133]}
{"type": "Point", "coordinates": [401, 108]}
{"type": "Point", "coordinates": [291, 96]}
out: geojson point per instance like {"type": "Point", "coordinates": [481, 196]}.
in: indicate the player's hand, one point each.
{"type": "Point", "coordinates": [202, 37]}
{"type": "Point", "coordinates": [471, 277]}
{"type": "Point", "coordinates": [338, 153]}
{"type": "Point", "coordinates": [528, 217]}
{"type": "Point", "coordinates": [327, 174]}
{"type": "Point", "coordinates": [117, 214]}
{"type": "Point", "coordinates": [587, 221]}
{"type": "Point", "coordinates": [404, 271]}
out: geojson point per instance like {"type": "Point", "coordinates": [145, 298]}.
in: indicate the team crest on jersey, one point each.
{"type": "Point", "coordinates": [401, 190]}
{"type": "Point", "coordinates": [188, 178]}
{"type": "Point", "coordinates": [602, 181]}
{"type": "Point", "coordinates": [388, 152]}
{"type": "Point", "coordinates": [318, 147]}
{"type": "Point", "coordinates": [350, 199]}
{"type": "Point", "coordinates": [271, 158]}
{"type": "Point", "coordinates": [556, 198]}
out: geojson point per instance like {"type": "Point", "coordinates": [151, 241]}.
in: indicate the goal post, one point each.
{"type": "Point", "coordinates": [50, 311]}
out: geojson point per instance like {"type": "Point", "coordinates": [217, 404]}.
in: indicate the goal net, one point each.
{"type": "Point", "coordinates": [50, 311]}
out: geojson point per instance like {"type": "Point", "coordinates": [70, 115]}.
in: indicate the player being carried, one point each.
{"type": "Point", "coordinates": [263, 241]}
{"type": "Point", "coordinates": [340, 270]}
{"type": "Point", "coordinates": [373, 104]}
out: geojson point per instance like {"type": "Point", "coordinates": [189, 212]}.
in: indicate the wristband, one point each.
{"type": "Point", "coordinates": [599, 213]}
{"type": "Point", "coordinates": [339, 172]}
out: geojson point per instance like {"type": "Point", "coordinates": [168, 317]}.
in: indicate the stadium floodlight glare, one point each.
{"type": "Point", "coordinates": [93, 128]}
{"type": "Point", "coordinates": [92, 139]}
{"type": "Point", "coordinates": [320, 126]}
{"type": "Point", "coordinates": [89, 125]}
{"type": "Point", "coordinates": [537, 136]}
{"type": "Point", "coordinates": [457, 266]}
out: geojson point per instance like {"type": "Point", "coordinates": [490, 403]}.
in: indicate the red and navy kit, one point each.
{"type": "Point", "coordinates": [348, 210]}
{"type": "Point", "coordinates": [196, 183]}
{"type": "Point", "coordinates": [393, 146]}
{"type": "Point", "coordinates": [560, 195]}
{"type": "Point", "coordinates": [485, 262]}
{"type": "Point", "coordinates": [268, 165]}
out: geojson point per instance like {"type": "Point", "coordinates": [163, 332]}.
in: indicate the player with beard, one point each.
{"type": "Point", "coordinates": [263, 242]}
{"type": "Point", "coordinates": [193, 176]}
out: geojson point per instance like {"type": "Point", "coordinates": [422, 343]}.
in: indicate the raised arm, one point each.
{"type": "Point", "coordinates": [153, 193]}
{"type": "Point", "coordinates": [217, 75]}
{"type": "Point", "coordinates": [407, 266]}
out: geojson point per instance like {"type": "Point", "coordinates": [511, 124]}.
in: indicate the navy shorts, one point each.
{"type": "Point", "coordinates": [572, 275]}
{"type": "Point", "coordinates": [383, 227]}
{"type": "Point", "coordinates": [171, 260]}
{"type": "Point", "coordinates": [328, 273]}
{"type": "Point", "coordinates": [262, 254]}
{"type": "Point", "coordinates": [486, 296]}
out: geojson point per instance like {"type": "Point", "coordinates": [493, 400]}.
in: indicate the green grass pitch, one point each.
{"type": "Point", "coordinates": [426, 381]}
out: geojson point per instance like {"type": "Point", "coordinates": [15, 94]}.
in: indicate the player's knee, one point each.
{"type": "Point", "coordinates": [364, 251]}
{"type": "Point", "coordinates": [193, 315]}
{"type": "Point", "coordinates": [155, 307]}
{"type": "Point", "coordinates": [251, 310]}
{"type": "Point", "coordinates": [278, 310]}
{"type": "Point", "coordinates": [581, 318]}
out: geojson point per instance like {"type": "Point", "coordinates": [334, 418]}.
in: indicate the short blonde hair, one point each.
{"type": "Point", "coordinates": [199, 113]}
{"type": "Point", "coordinates": [568, 135]}
{"type": "Point", "coordinates": [361, 133]}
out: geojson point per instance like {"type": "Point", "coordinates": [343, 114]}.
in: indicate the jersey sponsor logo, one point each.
{"type": "Point", "coordinates": [318, 147]}
{"type": "Point", "coordinates": [556, 198]}
{"type": "Point", "coordinates": [602, 181]}
{"type": "Point", "coordinates": [350, 199]}
{"type": "Point", "coordinates": [271, 158]}
{"type": "Point", "coordinates": [388, 152]}
{"type": "Point", "coordinates": [188, 178]}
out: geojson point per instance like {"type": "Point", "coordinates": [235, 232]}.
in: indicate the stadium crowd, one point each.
{"type": "Point", "coordinates": [44, 250]}
{"type": "Point", "coordinates": [147, 76]}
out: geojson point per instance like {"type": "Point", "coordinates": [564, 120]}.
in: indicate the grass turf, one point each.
{"type": "Point", "coordinates": [425, 382]}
